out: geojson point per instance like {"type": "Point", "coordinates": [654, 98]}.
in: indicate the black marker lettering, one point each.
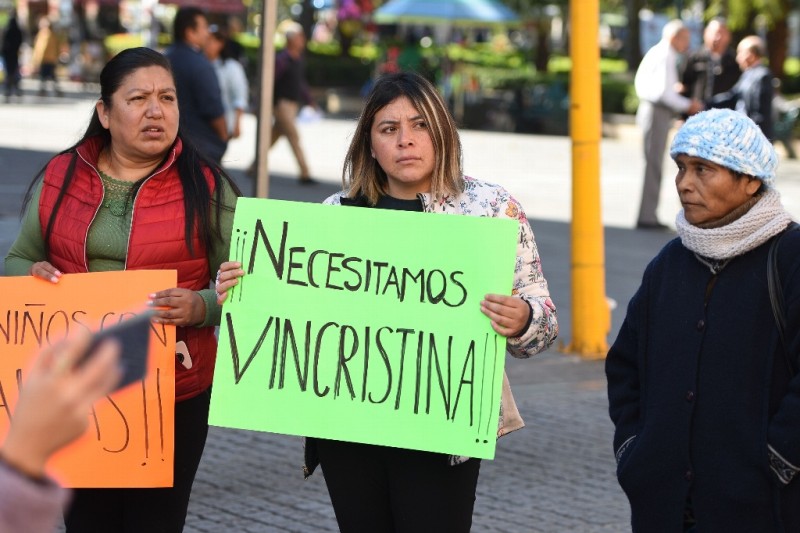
{"type": "Point", "coordinates": [4, 404]}
{"type": "Point", "coordinates": [469, 361]}
{"type": "Point", "coordinates": [386, 363]}
{"type": "Point", "coordinates": [418, 382]}
{"type": "Point", "coordinates": [237, 372]}
{"type": "Point", "coordinates": [64, 333]}
{"type": "Point", "coordinates": [332, 268]}
{"type": "Point", "coordinates": [460, 286]}
{"type": "Point", "coordinates": [317, 349]}
{"type": "Point", "coordinates": [310, 269]}
{"type": "Point", "coordinates": [405, 332]}
{"type": "Point", "coordinates": [367, 342]}
{"type": "Point", "coordinates": [275, 339]}
{"type": "Point", "coordinates": [127, 438]}
{"type": "Point", "coordinates": [294, 266]}
{"type": "Point", "coordinates": [27, 319]}
{"type": "Point", "coordinates": [346, 265]}
{"type": "Point", "coordinates": [378, 275]}
{"type": "Point", "coordinates": [341, 366]}
{"type": "Point", "coordinates": [391, 279]}
{"type": "Point", "coordinates": [75, 319]}
{"type": "Point", "coordinates": [436, 297]}
{"type": "Point", "coordinates": [419, 278]}
{"type": "Point", "coordinates": [288, 337]}
{"type": "Point", "coordinates": [277, 262]}
{"type": "Point", "coordinates": [6, 330]}
{"type": "Point", "coordinates": [433, 356]}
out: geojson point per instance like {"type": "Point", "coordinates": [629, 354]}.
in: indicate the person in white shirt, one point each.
{"type": "Point", "coordinates": [660, 100]}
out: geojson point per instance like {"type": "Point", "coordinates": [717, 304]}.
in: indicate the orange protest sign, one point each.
{"type": "Point", "coordinates": [130, 440]}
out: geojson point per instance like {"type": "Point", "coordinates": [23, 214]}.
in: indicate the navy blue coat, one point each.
{"type": "Point", "coordinates": [702, 400]}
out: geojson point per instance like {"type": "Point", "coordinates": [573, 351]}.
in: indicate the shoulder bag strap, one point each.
{"type": "Point", "coordinates": [776, 295]}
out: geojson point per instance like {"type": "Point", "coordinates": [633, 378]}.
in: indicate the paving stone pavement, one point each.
{"type": "Point", "coordinates": [555, 475]}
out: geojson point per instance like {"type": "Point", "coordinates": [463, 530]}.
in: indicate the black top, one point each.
{"type": "Point", "coordinates": [289, 83]}
{"type": "Point", "coordinates": [389, 202]}
{"type": "Point", "coordinates": [705, 75]}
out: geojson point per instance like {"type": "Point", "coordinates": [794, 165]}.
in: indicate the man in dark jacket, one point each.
{"type": "Point", "coordinates": [199, 95]}
{"type": "Point", "coordinates": [712, 69]}
{"type": "Point", "coordinates": [752, 94]}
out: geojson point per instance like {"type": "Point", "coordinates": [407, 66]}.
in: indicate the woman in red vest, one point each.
{"type": "Point", "coordinates": [134, 194]}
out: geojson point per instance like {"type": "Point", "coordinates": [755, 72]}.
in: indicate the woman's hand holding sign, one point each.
{"type": "Point", "coordinates": [44, 270]}
{"type": "Point", "coordinates": [508, 314]}
{"type": "Point", "coordinates": [227, 278]}
{"type": "Point", "coordinates": [180, 307]}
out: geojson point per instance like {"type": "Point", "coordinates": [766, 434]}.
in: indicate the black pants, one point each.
{"type": "Point", "coordinates": [157, 510]}
{"type": "Point", "coordinates": [377, 489]}
{"type": "Point", "coordinates": [12, 74]}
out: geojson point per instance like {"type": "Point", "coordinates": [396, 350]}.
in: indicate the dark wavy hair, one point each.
{"type": "Point", "coordinates": [197, 197]}
{"type": "Point", "coordinates": [185, 19]}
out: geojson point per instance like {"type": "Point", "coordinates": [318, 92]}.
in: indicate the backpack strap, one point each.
{"type": "Point", "coordinates": [776, 294]}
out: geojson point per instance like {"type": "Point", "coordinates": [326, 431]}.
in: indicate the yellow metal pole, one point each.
{"type": "Point", "coordinates": [591, 317]}
{"type": "Point", "coordinates": [269, 20]}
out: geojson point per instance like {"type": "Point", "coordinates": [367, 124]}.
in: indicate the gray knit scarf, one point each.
{"type": "Point", "coordinates": [765, 219]}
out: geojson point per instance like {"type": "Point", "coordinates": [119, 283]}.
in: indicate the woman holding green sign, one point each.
{"type": "Point", "coordinates": [406, 155]}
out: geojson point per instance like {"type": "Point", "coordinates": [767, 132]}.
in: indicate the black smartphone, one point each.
{"type": "Point", "coordinates": [133, 335]}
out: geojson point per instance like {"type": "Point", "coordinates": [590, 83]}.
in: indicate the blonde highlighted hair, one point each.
{"type": "Point", "coordinates": [363, 176]}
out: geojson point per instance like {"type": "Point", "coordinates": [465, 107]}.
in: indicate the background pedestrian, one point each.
{"type": "Point", "coordinates": [199, 95]}
{"type": "Point", "coordinates": [753, 93]}
{"type": "Point", "coordinates": [291, 93]}
{"type": "Point", "coordinates": [232, 79]}
{"type": "Point", "coordinates": [657, 87]}
{"type": "Point", "coordinates": [45, 56]}
{"type": "Point", "coordinates": [12, 41]}
{"type": "Point", "coordinates": [712, 69]}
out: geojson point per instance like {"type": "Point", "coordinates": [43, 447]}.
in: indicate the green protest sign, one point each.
{"type": "Point", "coordinates": [364, 325]}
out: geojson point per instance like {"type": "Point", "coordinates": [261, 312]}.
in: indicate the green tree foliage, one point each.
{"type": "Point", "coordinates": [741, 14]}
{"type": "Point", "coordinates": [744, 15]}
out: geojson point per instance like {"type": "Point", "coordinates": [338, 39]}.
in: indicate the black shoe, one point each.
{"type": "Point", "coordinates": [653, 226]}
{"type": "Point", "coordinates": [308, 181]}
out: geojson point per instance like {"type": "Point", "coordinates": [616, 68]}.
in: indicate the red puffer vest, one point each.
{"type": "Point", "coordinates": [156, 241]}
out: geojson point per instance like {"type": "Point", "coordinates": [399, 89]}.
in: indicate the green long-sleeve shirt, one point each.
{"type": "Point", "coordinates": [107, 241]}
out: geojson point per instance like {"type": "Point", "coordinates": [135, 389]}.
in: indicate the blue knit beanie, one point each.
{"type": "Point", "coordinates": [728, 138]}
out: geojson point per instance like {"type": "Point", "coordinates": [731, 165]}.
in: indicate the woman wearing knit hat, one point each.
{"type": "Point", "coordinates": [703, 393]}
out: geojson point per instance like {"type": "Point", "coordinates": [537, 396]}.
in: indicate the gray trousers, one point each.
{"type": "Point", "coordinates": [655, 121]}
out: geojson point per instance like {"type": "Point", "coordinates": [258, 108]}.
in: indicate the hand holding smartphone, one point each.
{"type": "Point", "coordinates": [133, 336]}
